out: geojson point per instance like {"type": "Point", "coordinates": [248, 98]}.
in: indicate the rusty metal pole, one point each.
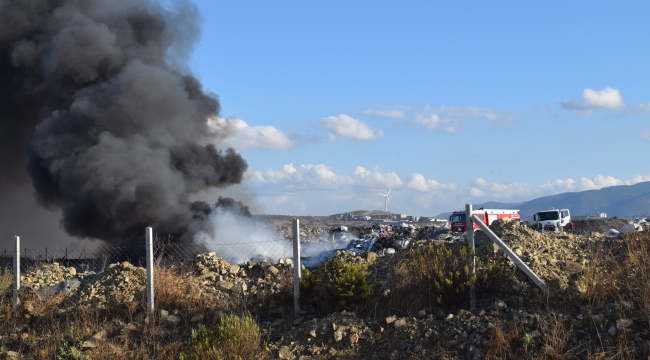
{"type": "Point", "coordinates": [472, 259]}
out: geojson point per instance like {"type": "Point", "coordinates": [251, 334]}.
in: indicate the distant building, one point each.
{"type": "Point", "coordinates": [601, 214]}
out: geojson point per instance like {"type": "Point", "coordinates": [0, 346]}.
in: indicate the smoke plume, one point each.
{"type": "Point", "coordinates": [95, 107]}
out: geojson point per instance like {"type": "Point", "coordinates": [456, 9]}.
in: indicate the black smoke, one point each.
{"type": "Point", "coordinates": [201, 209]}
{"type": "Point", "coordinates": [95, 107]}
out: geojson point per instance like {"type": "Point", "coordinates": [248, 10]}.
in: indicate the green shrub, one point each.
{"type": "Point", "coordinates": [5, 280]}
{"type": "Point", "coordinates": [445, 274]}
{"type": "Point", "coordinates": [335, 284]}
{"type": "Point", "coordinates": [71, 350]}
{"type": "Point", "coordinates": [235, 338]}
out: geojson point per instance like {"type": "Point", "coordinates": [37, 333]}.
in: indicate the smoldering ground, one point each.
{"type": "Point", "coordinates": [95, 106]}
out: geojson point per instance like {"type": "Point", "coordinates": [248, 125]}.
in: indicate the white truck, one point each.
{"type": "Point", "coordinates": [552, 219]}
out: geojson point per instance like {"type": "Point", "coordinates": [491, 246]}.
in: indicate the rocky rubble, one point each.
{"type": "Point", "coordinates": [120, 283]}
{"type": "Point", "coordinates": [453, 332]}
{"type": "Point", "coordinates": [218, 276]}
{"type": "Point", "coordinates": [556, 258]}
{"type": "Point", "coordinates": [50, 275]}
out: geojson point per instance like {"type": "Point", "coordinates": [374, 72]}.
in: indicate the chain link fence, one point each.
{"type": "Point", "coordinates": [166, 253]}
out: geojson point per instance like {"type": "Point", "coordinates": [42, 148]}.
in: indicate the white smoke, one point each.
{"type": "Point", "coordinates": [315, 253]}
{"type": "Point", "coordinates": [239, 239]}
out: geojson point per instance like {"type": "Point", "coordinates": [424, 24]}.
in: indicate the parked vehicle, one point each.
{"type": "Point", "coordinates": [458, 219]}
{"type": "Point", "coordinates": [552, 219]}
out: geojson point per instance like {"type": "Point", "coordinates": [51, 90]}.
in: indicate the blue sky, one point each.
{"type": "Point", "coordinates": [332, 103]}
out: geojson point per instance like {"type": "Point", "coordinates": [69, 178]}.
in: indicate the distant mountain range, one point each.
{"type": "Point", "coordinates": [621, 201]}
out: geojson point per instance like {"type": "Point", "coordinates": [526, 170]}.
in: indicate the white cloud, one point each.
{"type": "Point", "coordinates": [449, 118]}
{"type": "Point", "coordinates": [304, 177]}
{"type": "Point", "coordinates": [606, 98]}
{"type": "Point", "coordinates": [480, 187]}
{"type": "Point", "coordinates": [476, 192]}
{"type": "Point", "coordinates": [396, 112]}
{"type": "Point", "coordinates": [375, 179]}
{"type": "Point", "coordinates": [281, 199]}
{"type": "Point", "coordinates": [597, 182]}
{"type": "Point", "coordinates": [419, 183]}
{"type": "Point", "coordinates": [559, 186]}
{"type": "Point", "coordinates": [346, 126]}
{"type": "Point", "coordinates": [645, 135]}
{"type": "Point", "coordinates": [609, 98]}
{"type": "Point", "coordinates": [237, 134]}
{"type": "Point", "coordinates": [433, 121]}
{"type": "Point", "coordinates": [643, 109]}
{"type": "Point", "coordinates": [456, 112]}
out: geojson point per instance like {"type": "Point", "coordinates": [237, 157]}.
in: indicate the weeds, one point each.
{"type": "Point", "coordinates": [5, 280]}
{"type": "Point", "coordinates": [442, 276]}
{"type": "Point", "coordinates": [72, 350]}
{"type": "Point", "coordinates": [234, 338]}
{"type": "Point", "coordinates": [336, 284]}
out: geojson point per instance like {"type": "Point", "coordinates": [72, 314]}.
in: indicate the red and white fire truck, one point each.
{"type": "Point", "coordinates": [458, 220]}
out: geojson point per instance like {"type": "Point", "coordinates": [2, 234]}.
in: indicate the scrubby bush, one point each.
{"type": "Point", "coordinates": [5, 280]}
{"type": "Point", "coordinates": [335, 284]}
{"type": "Point", "coordinates": [72, 350]}
{"type": "Point", "coordinates": [442, 275]}
{"type": "Point", "coordinates": [449, 275]}
{"type": "Point", "coordinates": [235, 338]}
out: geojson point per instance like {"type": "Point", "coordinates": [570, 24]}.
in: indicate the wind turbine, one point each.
{"type": "Point", "coordinates": [387, 199]}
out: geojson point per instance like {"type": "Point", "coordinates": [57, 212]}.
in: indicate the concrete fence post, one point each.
{"type": "Point", "coordinates": [16, 269]}
{"type": "Point", "coordinates": [472, 257]}
{"type": "Point", "coordinates": [149, 249]}
{"type": "Point", "coordinates": [296, 268]}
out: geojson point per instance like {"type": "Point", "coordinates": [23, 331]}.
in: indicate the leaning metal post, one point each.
{"type": "Point", "coordinates": [506, 249]}
{"type": "Point", "coordinates": [296, 268]}
{"type": "Point", "coordinates": [472, 259]}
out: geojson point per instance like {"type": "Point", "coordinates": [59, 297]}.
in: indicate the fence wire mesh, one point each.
{"type": "Point", "coordinates": [166, 253]}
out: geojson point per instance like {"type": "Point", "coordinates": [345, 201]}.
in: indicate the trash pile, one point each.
{"type": "Point", "coordinates": [384, 238]}
{"type": "Point", "coordinates": [592, 226]}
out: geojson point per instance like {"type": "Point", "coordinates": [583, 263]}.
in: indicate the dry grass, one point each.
{"type": "Point", "coordinates": [436, 276]}
{"type": "Point", "coordinates": [39, 330]}
{"type": "Point", "coordinates": [505, 342]}
{"type": "Point", "coordinates": [613, 285]}
{"type": "Point", "coordinates": [616, 278]}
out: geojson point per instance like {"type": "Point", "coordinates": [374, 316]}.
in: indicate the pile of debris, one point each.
{"type": "Point", "coordinates": [47, 275]}
{"type": "Point", "coordinates": [218, 276]}
{"type": "Point", "coordinates": [339, 335]}
{"type": "Point", "coordinates": [120, 283]}
{"type": "Point", "coordinates": [592, 226]}
{"type": "Point", "coordinates": [52, 279]}
{"type": "Point", "coordinates": [460, 333]}
{"type": "Point", "coordinates": [556, 258]}
{"type": "Point", "coordinates": [434, 233]}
